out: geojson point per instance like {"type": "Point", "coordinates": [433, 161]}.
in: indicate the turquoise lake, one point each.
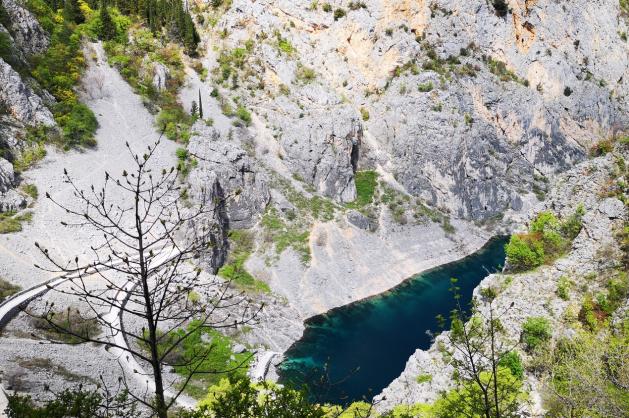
{"type": "Point", "coordinates": [355, 351]}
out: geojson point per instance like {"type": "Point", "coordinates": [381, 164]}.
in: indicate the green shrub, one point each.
{"type": "Point", "coordinates": [244, 115]}
{"type": "Point", "coordinates": [7, 289]}
{"type": "Point", "coordinates": [423, 378]}
{"type": "Point", "coordinates": [524, 251]}
{"type": "Point", "coordinates": [535, 332]}
{"type": "Point", "coordinates": [513, 362]}
{"type": "Point", "coordinates": [305, 74]}
{"type": "Point", "coordinates": [285, 46]}
{"type": "Point", "coordinates": [547, 240]}
{"type": "Point", "coordinates": [563, 288]}
{"type": "Point", "coordinates": [339, 13]}
{"type": "Point", "coordinates": [364, 113]}
{"type": "Point", "coordinates": [426, 87]}
{"type": "Point", "coordinates": [78, 125]}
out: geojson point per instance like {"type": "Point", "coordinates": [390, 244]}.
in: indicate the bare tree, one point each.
{"type": "Point", "coordinates": [145, 269]}
{"type": "Point", "coordinates": [477, 352]}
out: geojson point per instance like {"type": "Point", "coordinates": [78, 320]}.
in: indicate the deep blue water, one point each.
{"type": "Point", "coordinates": [355, 351]}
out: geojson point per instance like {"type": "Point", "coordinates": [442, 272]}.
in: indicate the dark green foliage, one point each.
{"type": "Point", "coordinates": [59, 70]}
{"type": "Point", "coordinates": [535, 332]}
{"type": "Point", "coordinates": [107, 30]}
{"type": "Point", "coordinates": [513, 362]}
{"type": "Point", "coordinates": [68, 404]}
{"type": "Point", "coordinates": [78, 125]}
{"type": "Point", "coordinates": [501, 7]}
{"type": "Point", "coordinates": [170, 14]}
{"type": "Point", "coordinates": [72, 13]}
{"type": "Point", "coordinates": [339, 13]}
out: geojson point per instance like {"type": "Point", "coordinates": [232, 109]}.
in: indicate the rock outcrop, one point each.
{"type": "Point", "coordinates": [19, 100]}
{"type": "Point", "coordinates": [224, 164]}
{"type": "Point", "coordinates": [28, 34]}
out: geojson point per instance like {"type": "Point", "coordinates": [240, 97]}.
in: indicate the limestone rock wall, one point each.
{"type": "Point", "coordinates": [467, 109]}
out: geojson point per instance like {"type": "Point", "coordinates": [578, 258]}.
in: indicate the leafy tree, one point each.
{"type": "Point", "coordinates": [589, 375]}
{"type": "Point", "coordinates": [107, 27]}
{"type": "Point", "coordinates": [524, 252]}
{"type": "Point", "coordinates": [72, 12]}
{"type": "Point", "coordinates": [241, 399]}
{"type": "Point", "coordinates": [480, 355]}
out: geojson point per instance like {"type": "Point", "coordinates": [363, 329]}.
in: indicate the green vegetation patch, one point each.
{"type": "Point", "coordinates": [60, 68]}
{"type": "Point", "coordinates": [12, 222]}
{"type": "Point", "coordinates": [242, 244]}
{"type": "Point", "coordinates": [135, 61]}
{"type": "Point", "coordinates": [500, 70]}
{"type": "Point", "coordinates": [547, 239]}
{"type": "Point", "coordinates": [535, 331]}
{"type": "Point", "coordinates": [220, 358]}
{"type": "Point", "coordinates": [7, 289]}
{"type": "Point", "coordinates": [423, 378]}
{"type": "Point", "coordinates": [285, 235]}
{"type": "Point", "coordinates": [366, 183]}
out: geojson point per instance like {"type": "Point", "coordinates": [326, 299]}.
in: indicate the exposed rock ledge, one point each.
{"type": "Point", "coordinates": [532, 293]}
{"type": "Point", "coordinates": [349, 264]}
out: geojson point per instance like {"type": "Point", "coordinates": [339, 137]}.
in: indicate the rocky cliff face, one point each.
{"type": "Point", "coordinates": [28, 34]}
{"type": "Point", "coordinates": [469, 110]}
{"type": "Point", "coordinates": [226, 165]}
{"type": "Point", "coordinates": [20, 106]}
{"type": "Point", "coordinates": [594, 253]}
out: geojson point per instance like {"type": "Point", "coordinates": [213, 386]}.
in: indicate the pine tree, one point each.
{"type": "Point", "coordinates": [200, 106]}
{"type": "Point", "coordinates": [72, 13]}
{"type": "Point", "coordinates": [194, 109]}
{"type": "Point", "coordinates": [107, 28]}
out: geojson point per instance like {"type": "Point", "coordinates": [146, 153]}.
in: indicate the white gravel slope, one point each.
{"type": "Point", "coordinates": [122, 118]}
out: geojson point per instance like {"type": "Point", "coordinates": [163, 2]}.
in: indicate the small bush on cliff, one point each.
{"type": "Point", "coordinates": [535, 331]}
{"type": "Point", "coordinates": [524, 251]}
{"type": "Point", "coordinates": [547, 239]}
